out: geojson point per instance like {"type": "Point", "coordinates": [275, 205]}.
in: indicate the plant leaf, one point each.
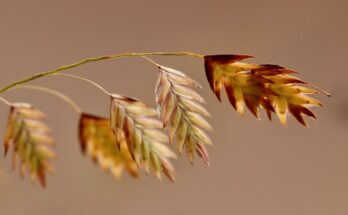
{"type": "Point", "coordinates": [30, 138]}
{"type": "Point", "coordinates": [182, 113]}
{"type": "Point", "coordinates": [143, 134]}
{"type": "Point", "coordinates": [271, 87]}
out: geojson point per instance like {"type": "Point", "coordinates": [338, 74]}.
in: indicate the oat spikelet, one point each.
{"type": "Point", "coordinates": [30, 139]}
{"type": "Point", "coordinates": [98, 141]}
{"type": "Point", "coordinates": [182, 113]}
{"type": "Point", "coordinates": [255, 86]}
{"type": "Point", "coordinates": [143, 132]}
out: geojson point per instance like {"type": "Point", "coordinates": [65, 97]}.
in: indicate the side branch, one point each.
{"type": "Point", "coordinates": [87, 81]}
{"type": "Point", "coordinates": [60, 95]}
{"type": "Point", "coordinates": [6, 102]}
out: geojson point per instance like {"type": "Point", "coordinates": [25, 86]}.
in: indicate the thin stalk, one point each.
{"type": "Point", "coordinates": [86, 80]}
{"type": "Point", "coordinates": [55, 93]}
{"type": "Point", "coordinates": [90, 60]}
{"type": "Point", "coordinates": [6, 102]}
{"type": "Point", "coordinates": [151, 61]}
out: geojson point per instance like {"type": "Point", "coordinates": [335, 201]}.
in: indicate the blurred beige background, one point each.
{"type": "Point", "coordinates": [258, 168]}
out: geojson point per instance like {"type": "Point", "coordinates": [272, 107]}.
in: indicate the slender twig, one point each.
{"type": "Point", "coordinates": [86, 80]}
{"type": "Point", "coordinates": [89, 60]}
{"type": "Point", "coordinates": [55, 93]}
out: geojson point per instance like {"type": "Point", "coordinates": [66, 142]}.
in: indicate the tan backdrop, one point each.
{"type": "Point", "coordinates": [258, 168]}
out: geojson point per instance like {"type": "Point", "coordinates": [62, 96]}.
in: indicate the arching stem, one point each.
{"type": "Point", "coordinates": [90, 60]}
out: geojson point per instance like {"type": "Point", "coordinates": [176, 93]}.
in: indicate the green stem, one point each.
{"type": "Point", "coordinates": [89, 60]}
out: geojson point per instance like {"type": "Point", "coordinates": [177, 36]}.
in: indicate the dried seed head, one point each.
{"type": "Point", "coordinates": [98, 141]}
{"type": "Point", "coordinates": [181, 112]}
{"type": "Point", "coordinates": [30, 139]}
{"type": "Point", "coordinates": [266, 86]}
{"type": "Point", "coordinates": [138, 125]}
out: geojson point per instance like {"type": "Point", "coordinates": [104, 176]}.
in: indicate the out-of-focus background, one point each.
{"type": "Point", "coordinates": [258, 167]}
